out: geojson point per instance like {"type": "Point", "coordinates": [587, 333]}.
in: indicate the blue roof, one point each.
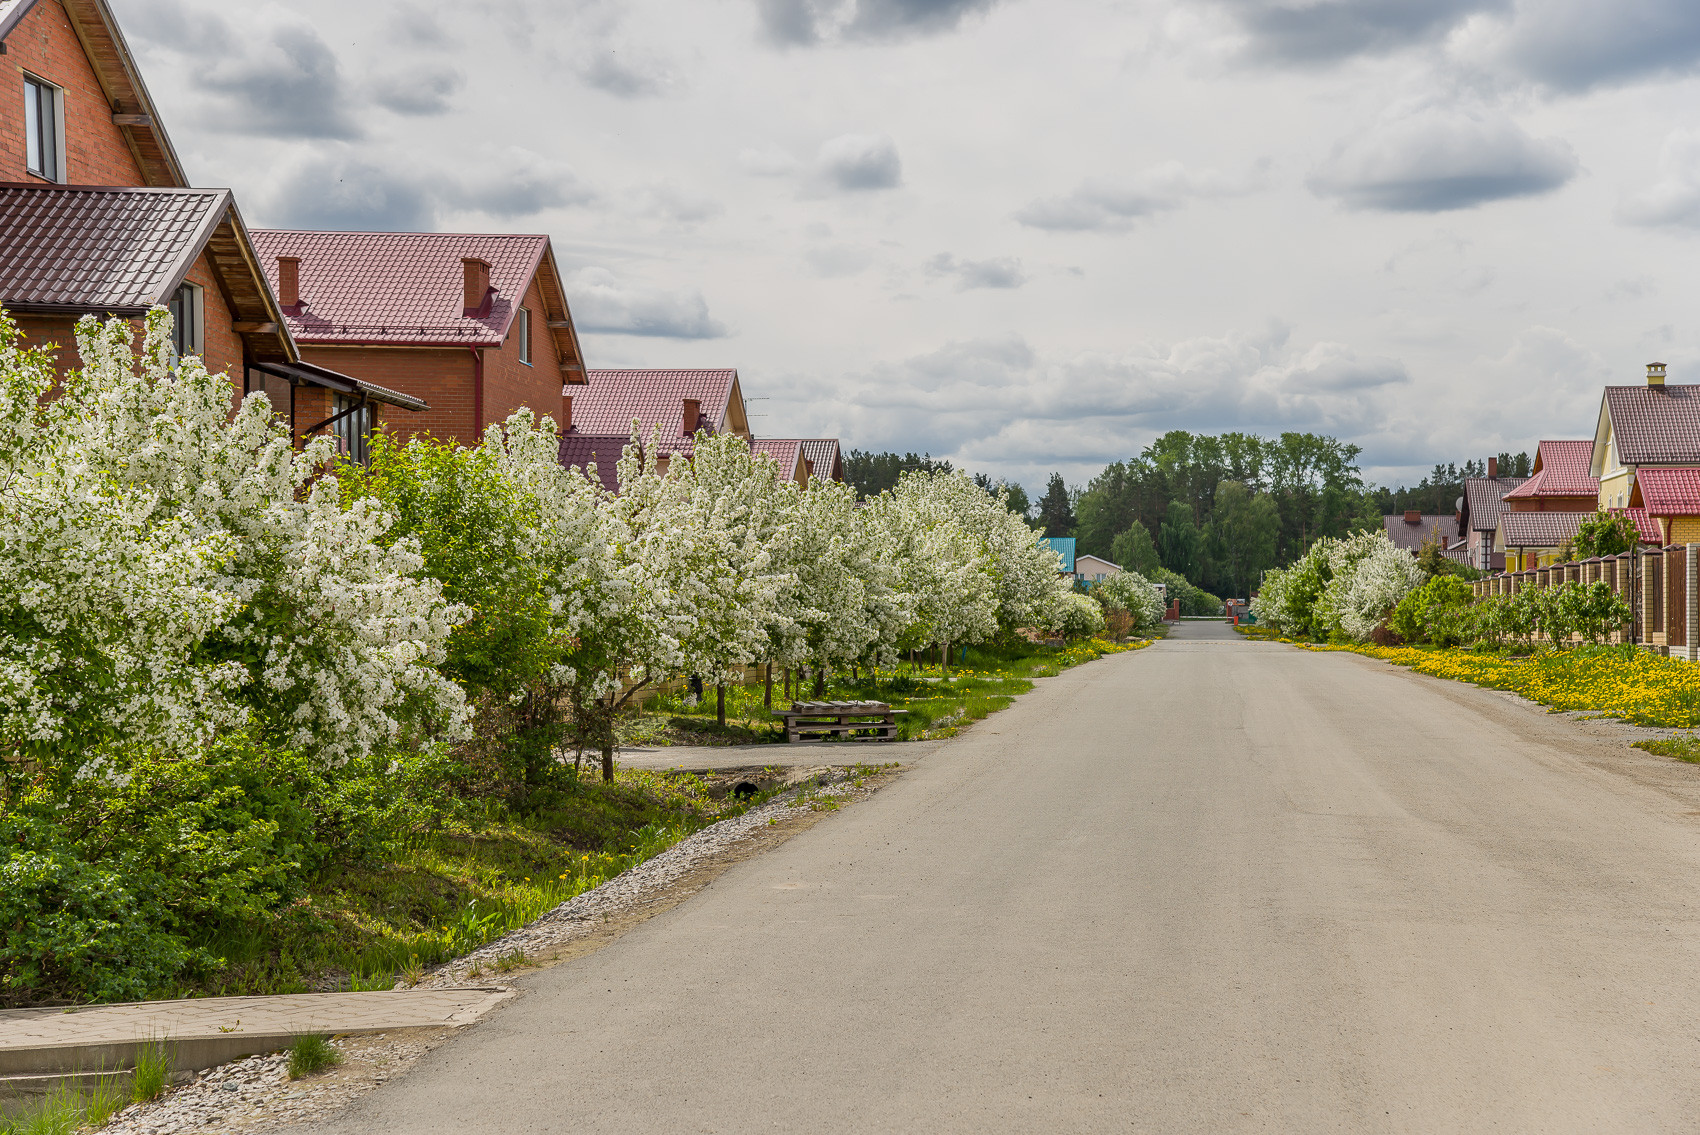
{"type": "Point", "coordinates": [1064, 547]}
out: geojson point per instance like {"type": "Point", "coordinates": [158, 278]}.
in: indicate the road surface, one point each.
{"type": "Point", "coordinates": [1211, 886]}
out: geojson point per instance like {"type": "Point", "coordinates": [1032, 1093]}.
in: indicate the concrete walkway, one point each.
{"type": "Point", "coordinates": [204, 1031]}
{"type": "Point", "coordinates": [1210, 886]}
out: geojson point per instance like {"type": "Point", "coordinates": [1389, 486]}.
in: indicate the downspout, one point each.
{"type": "Point", "coordinates": [477, 395]}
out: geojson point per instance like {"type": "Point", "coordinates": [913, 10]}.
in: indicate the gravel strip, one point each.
{"type": "Point", "coordinates": [255, 1093]}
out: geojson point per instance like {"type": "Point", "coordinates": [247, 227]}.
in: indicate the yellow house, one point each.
{"type": "Point", "coordinates": [1670, 495]}
{"type": "Point", "coordinates": [1641, 427]}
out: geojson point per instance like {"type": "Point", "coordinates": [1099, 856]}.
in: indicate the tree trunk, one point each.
{"type": "Point", "coordinates": [608, 757]}
{"type": "Point", "coordinates": [787, 683]}
{"type": "Point", "coordinates": [767, 697]}
{"type": "Point", "coordinates": [945, 664]}
{"type": "Point", "coordinates": [720, 704]}
{"type": "Point", "coordinates": [820, 681]}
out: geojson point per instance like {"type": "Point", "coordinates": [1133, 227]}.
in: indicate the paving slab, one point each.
{"type": "Point", "coordinates": [205, 1031]}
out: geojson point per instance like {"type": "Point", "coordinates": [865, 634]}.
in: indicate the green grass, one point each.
{"type": "Point", "coordinates": [153, 1071]}
{"type": "Point", "coordinates": [1684, 748]}
{"type": "Point", "coordinates": [935, 702]}
{"type": "Point", "coordinates": [453, 890]}
{"type": "Point", "coordinates": [311, 1053]}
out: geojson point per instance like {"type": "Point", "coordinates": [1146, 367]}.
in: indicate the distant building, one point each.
{"type": "Point", "coordinates": [1478, 516]}
{"type": "Point", "coordinates": [1412, 529]}
{"type": "Point", "coordinates": [1062, 546]}
{"type": "Point", "coordinates": [1091, 569]}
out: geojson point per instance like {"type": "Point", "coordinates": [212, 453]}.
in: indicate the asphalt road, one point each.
{"type": "Point", "coordinates": [1211, 886]}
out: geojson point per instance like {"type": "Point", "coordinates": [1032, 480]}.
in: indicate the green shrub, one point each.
{"type": "Point", "coordinates": [1437, 612]}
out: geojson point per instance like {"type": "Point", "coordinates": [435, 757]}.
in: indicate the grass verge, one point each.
{"type": "Point", "coordinates": [449, 891]}
{"type": "Point", "coordinates": [1625, 682]}
{"type": "Point", "coordinates": [310, 1053]}
{"type": "Point", "coordinates": [935, 702]}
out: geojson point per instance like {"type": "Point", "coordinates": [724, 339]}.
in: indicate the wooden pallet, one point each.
{"type": "Point", "coordinates": [852, 720]}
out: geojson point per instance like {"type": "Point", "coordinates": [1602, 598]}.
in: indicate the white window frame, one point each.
{"type": "Point", "coordinates": [54, 171]}
{"type": "Point", "coordinates": [189, 334]}
{"type": "Point", "coordinates": [522, 334]}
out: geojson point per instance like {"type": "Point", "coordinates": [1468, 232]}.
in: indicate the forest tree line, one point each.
{"type": "Point", "coordinates": [1218, 510]}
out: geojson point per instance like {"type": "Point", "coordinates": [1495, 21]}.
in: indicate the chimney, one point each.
{"type": "Point", "coordinates": [1655, 374]}
{"type": "Point", "coordinates": [289, 281]}
{"type": "Point", "coordinates": [1413, 516]}
{"type": "Point", "coordinates": [566, 413]}
{"type": "Point", "coordinates": [475, 284]}
{"type": "Point", "coordinates": [1493, 467]}
{"type": "Point", "coordinates": [693, 417]}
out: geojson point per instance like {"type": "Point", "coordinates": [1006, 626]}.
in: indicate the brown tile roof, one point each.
{"type": "Point", "coordinates": [1540, 529]}
{"type": "Point", "coordinates": [1562, 469]}
{"type": "Point", "coordinates": [1655, 424]}
{"type": "Point", "coordinates": [612, 399]}
{"type": "Point", "coordinates": [1668, 490]}
{"type": "Point", "coordinates": [783, 451]}
{"type": "Point", "coordinates": [579, 450]}
{"type": "Point", "coordinates": [401, 288]}
{"type": "Point", "coordinates": [826, 457]}
{"type": "Point", "coordinates": [84, 249]}
{"type": "Point", "coordinates": [1412, 537]}
{"type": "Point", "coordinates": [1484, 501]}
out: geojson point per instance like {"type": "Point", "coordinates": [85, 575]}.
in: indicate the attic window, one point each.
{"type": "Point", "coordinates": [522, 335]}
{"type": "Point", "coordinates": [44, 129]}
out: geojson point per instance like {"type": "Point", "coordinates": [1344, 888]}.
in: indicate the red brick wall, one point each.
{"type": "Point", "coordinates": [442, 376]}
{"type": "Point", "coordinates": [510, 384]}
{"type": "Point", "coordinates": [95, 151]}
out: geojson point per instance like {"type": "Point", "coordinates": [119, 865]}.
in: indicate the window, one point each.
{"type": "Point", "coordinates": [353, 427]}
{"type": "Point", "coordinates": [522, 335]}
{"type": "Point", "coordinates": [185, 308]}
{"type": "Point", "coordinates": [44, 137]}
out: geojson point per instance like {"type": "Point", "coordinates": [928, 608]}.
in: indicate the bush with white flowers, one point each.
{"type": "Point", "coordinates": [1131, 592]}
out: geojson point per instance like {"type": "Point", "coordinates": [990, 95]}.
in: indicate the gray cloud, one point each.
{"type": "Point", "coordinates": [860, 161]}
{"type": "Point", "coordinates": [1433, 157]}
{"type": "Point", "coordinates": [327, 193]}
{"type": "Point", "coordinates": [518, 183]}
{"type": "Point", "coordinates": [602, 303]}
{"type": "Point", "coordinates": [290, 88]}
{"type": "Point", "coordinates": [1673, 201]}
{"type": "Point", "coordinates": [836, 260]}
{"type": "Point", "coordinates": [802, 22]}
{"type": "Point", "coordinates": [422, 90]}
{"type": "Point", "coordinates": [998, 272]}
{"type": "Point", "coordinates": [1103, 204]}
{"type": "Point", "coordinates": [1326, 31]}
{"type": "Point", "coordinates": [1576, 44]}
{"type": "Point", "coordinates": [606, 71]}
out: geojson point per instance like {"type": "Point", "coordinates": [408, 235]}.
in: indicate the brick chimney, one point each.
{"type": "Point", "coordinates": [1413, 516]}
{"type": "Point", "coordinates": [1655, 374]}
{"type": "Point", "coordinates": [1493, 466]}
{"type": "Point", "coordinates": [475, 285]}
{"type": "Point", "coordinates": [566, 413]}
{"type": "Point", "coordinates": [692, 417]}
{"type": "Point", "coordinates": [289, 281]}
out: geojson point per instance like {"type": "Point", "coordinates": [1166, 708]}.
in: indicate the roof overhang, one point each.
{"type": "Point", "coordinates": [306, 374]}
{"type": "Point", "coordinates": [1602, 434]}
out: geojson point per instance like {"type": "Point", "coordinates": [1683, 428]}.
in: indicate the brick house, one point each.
{"type": "Point", "coordinates": [1668, 496]}
{"type": "Point", "coordinates": [1559, 483]}
{"type": "Point", "coordinates": [1643, 427]}
{"type": "Point", "coordinates": [1478, 516]}
{"type": "Point", "coordinates": [1411, 530]}
{"type": "Point", "coordinates": [673, 405]}
{"type": "Point", "coordinates": [474, 324]}
{"type": "Point", "coordinates": [97, 216]}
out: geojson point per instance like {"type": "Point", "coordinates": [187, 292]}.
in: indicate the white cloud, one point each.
{"type": "Point", "coordinates": [997, 272]}
{"type": "Point", "coordinates": [1429, 156]}
{"type": "Point", "coordinates": [1108, 205]}
{"type": "Point", "coordinates": [1674, 199]}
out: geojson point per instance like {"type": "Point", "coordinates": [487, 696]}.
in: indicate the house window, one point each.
{"type": "Point", "coordinates": [353, 428]}
{"type": "Point", "coordinates": [186, 321]}
{"type": "Point", "coordinates": [44, 134]}
{"type": "Point", "coordinates": [522, 335]}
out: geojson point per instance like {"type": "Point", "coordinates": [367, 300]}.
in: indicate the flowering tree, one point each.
{"type": "Point", "coordinates": [207, 572]}
{"type": "Point", "coordinates": [1131, 592]}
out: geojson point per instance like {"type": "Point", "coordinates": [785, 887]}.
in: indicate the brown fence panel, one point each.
{"type": "Point", "coordinates": [1676, 596]}
{"type": "Point", "coordinates": [1653, 588]}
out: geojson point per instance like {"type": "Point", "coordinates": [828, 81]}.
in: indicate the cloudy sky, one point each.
{"type": "Point", "coordinates": [1024, 234]}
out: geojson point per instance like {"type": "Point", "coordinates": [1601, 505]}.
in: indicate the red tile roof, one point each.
{"type": "Point", "coordinates": [78, 249]}
{"type": "Point", "coordinates": [784, 452]}
{"type": "Point", "coordinates": [1562, 469]}
{"type": "Point", "coordinates": [612, 399]}
{"type": "Point", "coordinates": [1412, 537]}
{"type": "Point", "coordinates": [1649, 529]}
{"type": "Point", "coordinates": [1668, 490]}
{"type": "Point", "coordinates": [1540, 529]}
{"type": "Point", "coordinates": [1655, 424]}
{"type": "Point", "coordinates": [400, 288]}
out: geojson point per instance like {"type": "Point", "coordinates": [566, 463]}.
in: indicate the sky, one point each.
{"type": "Point", "coordinates": [1024, 235]}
